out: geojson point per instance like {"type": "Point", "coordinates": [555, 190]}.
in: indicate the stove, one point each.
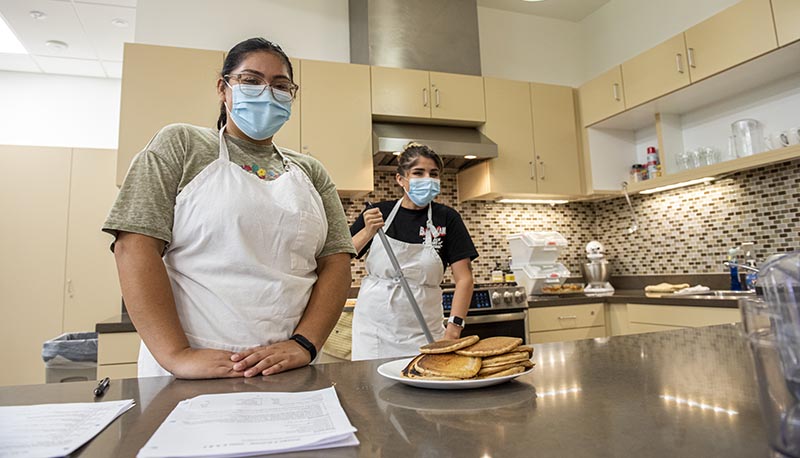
{"type": "Point", "coordinates": [497, 309]}
{"type": "Point", "coordinates": [489, 296]}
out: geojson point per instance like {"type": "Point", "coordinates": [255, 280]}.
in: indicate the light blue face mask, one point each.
{"type": "Point", "coordinates": [422, 191]}
{"type": "Point", "coordinates": [259, 117]}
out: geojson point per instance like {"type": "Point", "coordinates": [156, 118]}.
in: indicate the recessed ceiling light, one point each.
{"type": "Point", "coordinates": [38, 15]}
{"type": "Point", "coordinates": [9, 43]}
{"type": "Point", "coordinates": [55, 45]}
{"type": "Point", "coordinates": [119, 22]}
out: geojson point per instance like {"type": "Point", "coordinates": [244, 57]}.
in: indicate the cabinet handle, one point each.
{"type": "Point", "coordinates": [436, 92]}
{"type": "Point", "coordinates": [70, 292]}
{"type": "Point", "coordinates": [533, 170]}
{"type": "Point", "coordinates": [541, 170]}
{"type": "Point", "coordinates": [424, 97]}
{"type": "Point", "coordinates": [615, 91]}
{"type": "Point", "coordinates": [568, 317]}
{"type": "Point", "coordinates": [679, 62]}
{"type": "Point", "coordinates": [690, 56]}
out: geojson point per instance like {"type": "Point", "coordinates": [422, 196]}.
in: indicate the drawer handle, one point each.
{"type": "Point", "coordinates": [568, 317]}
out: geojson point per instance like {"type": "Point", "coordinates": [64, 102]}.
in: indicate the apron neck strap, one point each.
{"type": "Point", "coordinates": [430, 234]}
{"type": "Point", "coordinates": [223, 150]}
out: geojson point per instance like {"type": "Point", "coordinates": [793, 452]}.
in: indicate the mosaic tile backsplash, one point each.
{"type": "Point", "coordinates": [682, 231]}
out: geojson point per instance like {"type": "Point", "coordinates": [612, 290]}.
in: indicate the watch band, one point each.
{"type": "Point", "coordinates": [305, 343]}
{"type": "Point", "coordinates": [456, 320]}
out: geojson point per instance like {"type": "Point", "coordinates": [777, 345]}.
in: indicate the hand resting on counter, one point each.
{"type": "Point", "coordinates": [271, 359]}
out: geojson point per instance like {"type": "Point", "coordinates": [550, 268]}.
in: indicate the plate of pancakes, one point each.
{"type": "Point", "coordinates": [468, 362]}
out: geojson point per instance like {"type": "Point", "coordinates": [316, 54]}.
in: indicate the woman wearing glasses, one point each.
{"type": "Point", "coordinates": [233, 253]}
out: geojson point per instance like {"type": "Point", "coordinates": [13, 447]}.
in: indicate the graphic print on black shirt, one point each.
{"type": "Point", "coordinates": [453, 243]}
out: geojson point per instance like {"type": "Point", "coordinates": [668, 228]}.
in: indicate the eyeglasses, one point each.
{"type": "Point", "coordinates": [253, 86]}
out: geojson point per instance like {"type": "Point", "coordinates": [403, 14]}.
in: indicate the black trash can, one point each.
{"type": "Point", "coordinates": [70, 357]}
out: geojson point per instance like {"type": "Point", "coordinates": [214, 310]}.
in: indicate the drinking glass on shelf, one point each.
{"type": "Point", "coordinates": [682, 160]}
{"type": "Point", "coordinates": [710, 156]}
{"type": "Point", "coordinates": [730, 154]}
{"type": "Point", "coordinates": [693, 158]}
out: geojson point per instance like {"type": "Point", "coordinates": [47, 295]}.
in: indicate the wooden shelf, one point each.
{"type": "Point", "coordinates": [720, 169]}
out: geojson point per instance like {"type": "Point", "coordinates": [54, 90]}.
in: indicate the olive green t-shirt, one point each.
{"type": "Point", "coordinates": [178, 152]}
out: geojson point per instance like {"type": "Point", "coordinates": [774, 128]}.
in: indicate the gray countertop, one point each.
{"type": "Point", "coordinates": [611, 397]}
{"type": "Point", "coordinates": [122, 323]}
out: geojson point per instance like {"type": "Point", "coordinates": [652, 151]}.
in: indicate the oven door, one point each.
{"type": "Point", "coordinates": [511, 324]}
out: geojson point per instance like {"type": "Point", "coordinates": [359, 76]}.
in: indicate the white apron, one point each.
{"type": "Point", "coordinates": [242, 261]}
{"type": "Point", "coordinates": [384, 324]}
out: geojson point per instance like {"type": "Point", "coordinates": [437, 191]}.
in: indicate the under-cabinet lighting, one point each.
{"type": "Point", "coordinates": [470, 156]}
{"type": "Point", "coordinates": [531, 201]}
{"type": "Point", "coordinates": [9, 43]}
{"type": "Point", "coordinates": [397, 153]}
{"type": "Point", "coordinates": [678, 185]}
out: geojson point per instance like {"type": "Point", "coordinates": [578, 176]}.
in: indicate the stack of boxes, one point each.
{"type": "Point", "coordinates": [533, 260]}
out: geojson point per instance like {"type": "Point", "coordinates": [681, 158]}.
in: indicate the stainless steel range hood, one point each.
{"type": "Point", "coordinates": [451, 143]}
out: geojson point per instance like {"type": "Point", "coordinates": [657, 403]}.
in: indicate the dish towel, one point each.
{"type": "Point", "coordinates": [692, 290]}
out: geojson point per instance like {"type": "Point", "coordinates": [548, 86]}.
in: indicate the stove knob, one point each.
{"type": "Point", "coordinates": [519, 296]}
{"type": "Point", "coordinates": [508, 297]}
{"type": "Point", "coordinates": [496, 297]}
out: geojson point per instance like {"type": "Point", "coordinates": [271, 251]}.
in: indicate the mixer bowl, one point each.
{"type": "Point", "coordinates": [596, 272]}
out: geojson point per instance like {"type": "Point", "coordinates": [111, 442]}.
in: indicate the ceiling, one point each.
{"type": "Point", "coordinates": [94, 43]}
{"type": "Point", "coordinates": [568, 10]}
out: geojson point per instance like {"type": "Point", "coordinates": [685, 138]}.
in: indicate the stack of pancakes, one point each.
{"type": "Point", "coordinates": [470, 358]}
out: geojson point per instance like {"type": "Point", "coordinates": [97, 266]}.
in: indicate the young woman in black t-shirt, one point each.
{"type": "Point", "coordinates": [426, 237]}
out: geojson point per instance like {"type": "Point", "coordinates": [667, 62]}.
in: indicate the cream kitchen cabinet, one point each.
{"type": "Point", "coordinates": [422, 96]}
{"type": "Point", "coordinates": [787, 20]}
{"type": "Point", "coordinates": [567, 322]}
{"type": "Point", "coordinates": [163, 85]}
{"type": "Point", "coordinates": [555, 139]}
{"type": "Point", "coordinates": [56, 273]}
{"type": "Point", "coordinates": [730, 37]}
{"type": "Point", "coordinates": [336, 126]}
{"type": "Point", "coordinates": [602, 97]}
{"type": "Point", "coordinates": [651, 318]}
{"type": "Point", "coordinates": [289, 135]}
{"type": "Point", "coordinates": [117, 355]}
{"type": "Point", "coordinates": [509, 123]}
{"type": "Point", "coordinates": [656, 72]}
{"type": "Point", "coordinates": [535, 130]}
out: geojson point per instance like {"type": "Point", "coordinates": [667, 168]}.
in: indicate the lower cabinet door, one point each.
{"type": "Point", "coordinates": [117, 371]}
{"type": "Point", "coordinates": [567, 334]}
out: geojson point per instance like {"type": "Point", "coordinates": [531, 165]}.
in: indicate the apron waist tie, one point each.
{"type": "Point", "coordinates": [396, 281]}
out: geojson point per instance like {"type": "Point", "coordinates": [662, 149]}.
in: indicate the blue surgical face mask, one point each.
{"type": "Point", "coordinates": [422, 191]}
{"type": "Point", "coordinates": [259, 117]}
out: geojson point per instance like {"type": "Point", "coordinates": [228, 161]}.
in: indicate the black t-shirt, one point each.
{"type": "Point", "coordinates": [453, 243]}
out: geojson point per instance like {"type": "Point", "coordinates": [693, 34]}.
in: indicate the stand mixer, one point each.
{"type": "Point", "coordinates": [596, 271]}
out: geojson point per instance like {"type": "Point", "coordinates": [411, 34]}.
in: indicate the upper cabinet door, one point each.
{"type": "Point", "coordinates": [163, 85]}
{"type": "Point", "coordinates": [400, 92]}
{"type": "Point", "coordinates": [734, 35]}
{"type": "Point", "coordinates": [656, 72]}
{"type": "Point", "coordinates": [289, 135]}
{"type": "Point", "coordinates": [457, 97]}
{"type": "Point", "coordinates": [555, 140]}
{"type": "Point", "coordinates": [787, 20]}
{"type": "Point", "coordinates": [602, 97]}
{"type": "Point", "coordinates": [509, 124]}
{"type": "Point", "coordinates": [337, 126]}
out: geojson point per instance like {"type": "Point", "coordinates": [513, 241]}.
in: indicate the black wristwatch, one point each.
{"type": "Point", "coordinates": [305, 343]}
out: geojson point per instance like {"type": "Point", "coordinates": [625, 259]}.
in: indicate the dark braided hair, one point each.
{"type": "Point", "coordinates": [411, 152]}
{"type": "Point", "coordinates": [238, 53]}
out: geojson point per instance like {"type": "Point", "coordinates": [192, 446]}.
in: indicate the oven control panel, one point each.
{"type": "Point", "coordinates": [495, 297]}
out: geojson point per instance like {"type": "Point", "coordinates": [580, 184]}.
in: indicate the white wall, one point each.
{"type": "Point", "coordinates": [622, 29]}
{"type": "Point", "coordinates": [307, 29]}
{"type": "Point", "coordinates": [529, 48]}
{"type": "Point", "coordinates": [55, 110]}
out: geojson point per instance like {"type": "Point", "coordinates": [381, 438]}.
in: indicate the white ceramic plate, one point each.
{"type": "Point", "coordinates": [392, 370]}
